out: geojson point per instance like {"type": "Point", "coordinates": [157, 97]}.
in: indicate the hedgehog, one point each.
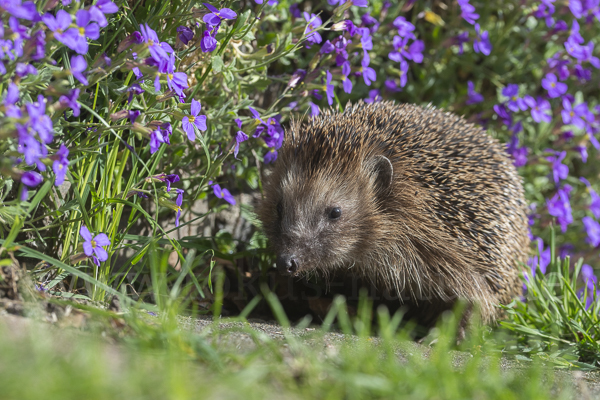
{"type": "Point", "coordinates": [414, 200]}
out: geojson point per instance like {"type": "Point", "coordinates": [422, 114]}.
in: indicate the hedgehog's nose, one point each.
{"type": "Point", "coordinates": [287, 264]}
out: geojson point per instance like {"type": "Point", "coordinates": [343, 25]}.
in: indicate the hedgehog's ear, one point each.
{"type": "Point", "coordinates": [383, 170]}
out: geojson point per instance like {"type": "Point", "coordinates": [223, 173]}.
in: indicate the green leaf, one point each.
{"type": "Point", "coordinates": [217, 63]}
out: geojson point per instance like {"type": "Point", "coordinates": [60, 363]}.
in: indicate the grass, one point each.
{"type": "Point", "coordinates": [554, 322]}
{"type": "Point", "coordinates": [159, 360]}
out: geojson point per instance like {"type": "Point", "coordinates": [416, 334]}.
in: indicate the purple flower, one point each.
{"type": "Point", "coordinates": [78, 65]}
{"type": "Point", "coordinates": [592, 229]}
{"type": "Point", "coordinates": [514, 103]}
{"type": "Point", "coordinates": [132, 115]}
{"type": "Point", "coordinates": [546, 10]}
{"type": "Point", "coordinates": [60, 165]}
{"type": "Point", "coordinates": [366, 40]}
{"type": "Point", "coordinates": [39, 121]}
{"type": "Point", "coordinates": [158, 50]}
{"type": "Point", "coordinates": [178, 202]}
{"type": "Point", "coordinates": [23, 70]}
{"type": "Point", "coordinates": [554, 88]}
{"type": "Point", "coordinates": [583, 74]}
{"type": "Point", "coordinates": [346, 83]}
{"type": "Point", "coordinates": [576, 8]}
{"type": "Point", "coordinates": [59, 24]}
{"type": "Point", "coordinates": [25, 10]}
{"type": "Point", "coordinates": [194, 120]}
{"type": "Point", "coordinates": [582, 150]}
{"type": "Point", "coordinates": [369, 75]}
{"type": "Point", "coordinates": [167, 178]}
{"type": "Point", "coordinates": [519, 154]}
{"type": "Point", "coordinates": [102, 7]}
{"type": "Point", "coordinates": [574, 49]}
{"type": "Point", "coordinates": [573, 115]}
{"type": "Point", "coordinates": [403, 73]}
{"type": "Point", "coordinates": [156, 138]}
{"type": "Point", "coordinates": [258, 120]}
{"type": "Point", "coordinates": [239, 137]}
{"type": "Point", "coordinates": [391, 86]}
{"type": "Point", "coordinates": [29, 179]}
{"type": "Point", "coordinates": [559, 170]}
{"type": "Point", "coordinates": [295, 10]}
{"type": "Point", "coordinates": [274, 132]}
{"type": "Point", "coordinates": [215, 16]}
{"type": "Point", "coordinates": [341, 52]}
{"type": "Point", "coordinates": [223, 194]}
{"type": "Point", "coordinates": [468, 11]}
{"type": "Point", "coordinates": [329, 89]}
{"type": "Point", "coordinates": [502, 112]}
{"type": "Point", "coordinates": [208, 43]}
{"type": "Point", "coordinates": [482, 43]}
{"type": "Point", "coordinates": [314, 109]}
{"type": "Point", "coordinates": [93, 247]}
{"type": "Point", "coordinates": [270, 157]}
{"type": "Point", "coordinates": [539, 109]}
{"type": "Point", "coordinates": [345, 25]}
{"type": "Point", "coordinates": [587, 273]}
{"type": "Point", "coordinates": [70, 101]}
{"type": "Point", "coordinates": [560, 207]}
{"type": "Point", "coordinates": [37, 44]}
{"type": "Point", "coordinates": [473, 96]}
{"type": "Point", "coordinates": [18, 36]}
{"type": "Point", "coordinates": [12, 95]}
{"type": "Point", "coordinates": [76, 38]}
{"type": "Point", "coordinates": [588, 50]}
{"type": "Point", "coordinates": [177, 81]}
{"type": "Point", "coordinates": [31, 149]}
{"type": "Point", "coordinates": [134, 38]}
{"type": "Point", "coordinates": [405, 28]}
{"type": "Point", "coordinates": [541, 260]}
{"type": "Point", "coordinates": [374, 96]}
{"type": "Point", "coordinates": [134, 89]}
{"type": "Point", "coordinates": [327, 47]}
{"type": "Point", "coordinates": [595, 199]}
{"type": "Point", "coordinates": [367, 19]}
{"type": "Point", "coordinates": [185, 34]}
{"type": "Point", "coordinates": [314, 21]}
{"type": "Point", "coordinates": [460, 40]}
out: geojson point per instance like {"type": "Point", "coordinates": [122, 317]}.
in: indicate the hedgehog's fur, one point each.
{"type": "Point", "coordinates": [446, 220]}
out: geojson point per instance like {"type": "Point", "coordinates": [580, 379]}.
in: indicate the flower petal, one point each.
{"type": "Point", "coordinates": [102, 240]}
{"type": "Point", "coordinates": [200, 122]}
{"type": "Point", "coordinates": [227, 13]}
{"type": "Point", "coordinates": [212, 8]}
{"type": "Point", "coordinates": [82, 18]}
{"type": "Point", "coordinates": [196, 107]}
{"type": "Point", "coordinates": [85, 233]}
{"type": "Point", "coordinates": [88, 249]}
{"type": "Point", "coordinates": [101, 253]}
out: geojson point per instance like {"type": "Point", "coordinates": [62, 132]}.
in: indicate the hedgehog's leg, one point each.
{"type": "Point", "coordinates": [466, 321]}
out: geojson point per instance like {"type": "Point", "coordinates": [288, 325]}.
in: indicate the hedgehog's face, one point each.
{"type": "Point", "coordinates": [318, 222]}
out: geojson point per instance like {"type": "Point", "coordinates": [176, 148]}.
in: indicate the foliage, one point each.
{"type": "Point", "coordinates": [230, 360]}
{"type": "Point", "coordinates": [557, 321]}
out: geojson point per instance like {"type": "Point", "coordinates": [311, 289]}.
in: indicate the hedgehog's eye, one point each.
{"type": "Point", "coordinates": [335, 213]}
{"type": "Point", "coordinates": [279, 209]}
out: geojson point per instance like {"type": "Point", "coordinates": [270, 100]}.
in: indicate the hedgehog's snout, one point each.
{"type": "Point", "coordinates": [287, 264]}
